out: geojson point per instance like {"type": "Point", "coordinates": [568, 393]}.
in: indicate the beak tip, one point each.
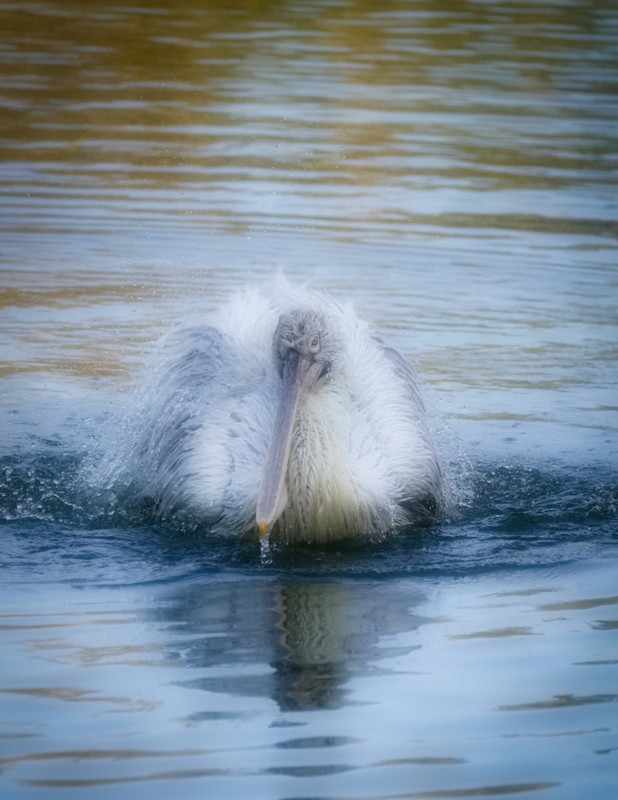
{"type": "Point", "coordinates": [262, 527]}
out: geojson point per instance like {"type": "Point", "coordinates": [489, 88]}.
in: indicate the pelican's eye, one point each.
{"type": "Point", "coordinates": [314, 344]}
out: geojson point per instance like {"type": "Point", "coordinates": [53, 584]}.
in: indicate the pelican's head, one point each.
{"type": "Point", "coordinates": [305, 350]}
{"type": "Point", "coordinates": [303, 334]}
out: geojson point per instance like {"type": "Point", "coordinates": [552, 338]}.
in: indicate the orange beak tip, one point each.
{"type": "Point", "coordinates": [262, 528]}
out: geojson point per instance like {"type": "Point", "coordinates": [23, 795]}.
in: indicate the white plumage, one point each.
{"type": "Point", "coordinates": [359, 459]}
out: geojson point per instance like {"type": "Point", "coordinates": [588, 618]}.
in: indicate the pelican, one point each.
{"type": "Point", "coordinates": [285, 416]}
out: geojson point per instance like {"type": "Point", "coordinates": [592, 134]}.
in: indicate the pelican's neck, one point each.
{"type": "Point", "coordinates": [324, 494]}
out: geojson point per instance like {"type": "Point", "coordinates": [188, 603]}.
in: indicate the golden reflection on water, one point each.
{"type": "Point", "coordinates": [106, 104]}
{"type": "Point", "coordinates": [411, 155]}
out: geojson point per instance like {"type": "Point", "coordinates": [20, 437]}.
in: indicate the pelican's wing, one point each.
{"type": "Point", "coordinates": [404, 370]}
{"type": "Point", "coordinates": [427, 506]}
{"type": "Point", "coordinates": [206, 427]}
{"type": "Point", "coordinates": [175, 404]}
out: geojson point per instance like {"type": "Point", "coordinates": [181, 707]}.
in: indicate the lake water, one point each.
{"type": "Point", "coordinates": [449, 167]}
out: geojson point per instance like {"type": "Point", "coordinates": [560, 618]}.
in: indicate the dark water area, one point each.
{"type": "Point", "coordinates": [513, 516]}
{"type": "Point", "coordinates": [450, 169]}
{"type": "Point", "coordinates": [477, 655]}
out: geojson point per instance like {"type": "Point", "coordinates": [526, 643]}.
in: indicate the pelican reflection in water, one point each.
{"type": "Point", "coordinates": [286, 415]}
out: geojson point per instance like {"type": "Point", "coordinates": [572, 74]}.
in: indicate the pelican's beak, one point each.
{"type": "Point", "coordinates": [299, 374]}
